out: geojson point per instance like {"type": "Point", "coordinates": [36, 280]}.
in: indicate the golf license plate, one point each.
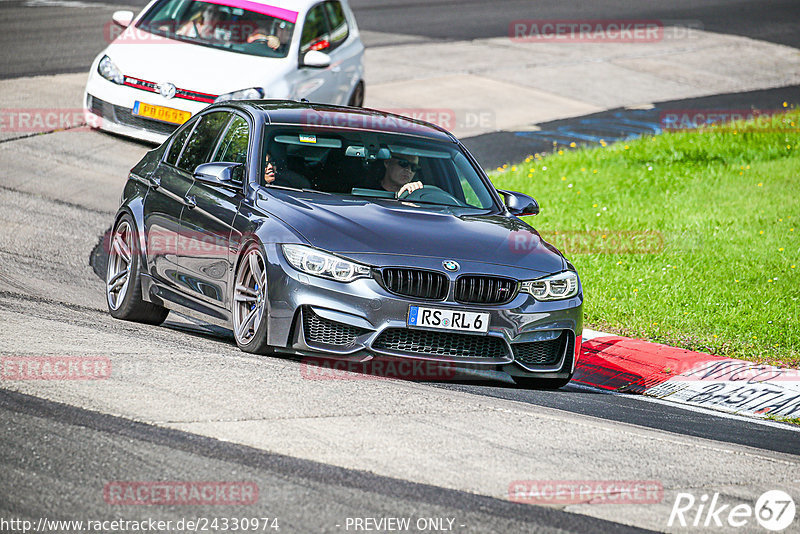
{"type": "Point", "coordinates": [442, 319]}
{"type": "Point", "coordinates": [160, 113]}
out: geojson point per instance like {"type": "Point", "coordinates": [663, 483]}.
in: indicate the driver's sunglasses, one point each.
{"type": "Point", "coordinates": [404, 163]}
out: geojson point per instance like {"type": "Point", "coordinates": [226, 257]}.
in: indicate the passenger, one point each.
{"type": "Point", "coordinates": [400, 170]}
{"type": "Point", "coordinates": [203, 24]}
{"type": "Point", "coordinates": [276, 173]}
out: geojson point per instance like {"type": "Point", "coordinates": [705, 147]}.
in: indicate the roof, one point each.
{"type": "Point", "coordinates": [341, 117]}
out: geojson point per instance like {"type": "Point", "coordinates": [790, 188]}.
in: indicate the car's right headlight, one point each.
{"type": "Point", "coordinates": [109, 71]}
{"type": "Point", "coordinates": [318, 263]}
{"type": "Point", "coordinates": [555, 287]}
{"type": "Point", "coordinates": [252, 93]}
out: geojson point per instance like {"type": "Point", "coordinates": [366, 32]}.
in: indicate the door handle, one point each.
{"type": "Point", "coordinates": [190, 201]}
{"type": "Point", "coordinates": [155, 182]}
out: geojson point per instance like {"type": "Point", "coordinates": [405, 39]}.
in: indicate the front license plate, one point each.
{"type": "Point", "coordinates": [160, 113]}
{"type": "Point", "coordinates": [441, 319]}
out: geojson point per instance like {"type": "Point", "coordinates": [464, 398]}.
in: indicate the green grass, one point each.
{"type": "Point", "coordinates": [790, 420]}
{"type": "Point", "coordinates": [686, 238]}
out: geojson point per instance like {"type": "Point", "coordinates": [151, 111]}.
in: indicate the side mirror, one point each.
{"type": "Point", "coordinates": [222, 173]}
{"type": "Point", "coordinates": [520, 203]}
{"type": "Point", "coordinates": [122, 18]}
{"type": "Point", "coordinates": [316, 59]}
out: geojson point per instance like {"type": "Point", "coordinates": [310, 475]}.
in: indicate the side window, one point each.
{"type": "Point", "coordinates": [233, 147]}
{"type": "Point", "coordinates": [339, 29]}
{"type": "Point", "coordinates": [177, 145]}
{"type": "Point", "coordinates": [315, 31]}
{"type": "Point", "coordinates": [203, 140]}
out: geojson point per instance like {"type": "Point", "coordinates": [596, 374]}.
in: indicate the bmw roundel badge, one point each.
{"type": "Point", "coordinates": [451, 265]}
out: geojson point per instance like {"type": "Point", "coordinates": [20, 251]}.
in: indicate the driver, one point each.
{"type": "Point", "coordinates": [400, 170]}
{"type": "Point", "coordinates": [277, 42]}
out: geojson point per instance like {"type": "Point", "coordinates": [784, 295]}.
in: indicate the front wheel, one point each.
{"type": "Point", "coordinates": [250, 302]}
{"type": "Point", "coordinates": [123, 281]}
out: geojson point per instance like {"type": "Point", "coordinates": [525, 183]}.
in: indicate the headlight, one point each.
{"type": "Point", "coordinates": [556, 287]}
{"type": "Point", "coordinates": [109, 71]}
{"type": "Point", "coordinates": [312, 261]}
{"type": "Point", "coordinates": [254, 93]}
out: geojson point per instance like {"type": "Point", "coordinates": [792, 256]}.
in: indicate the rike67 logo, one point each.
{"type": "Point", "coordinates": [774, 511]}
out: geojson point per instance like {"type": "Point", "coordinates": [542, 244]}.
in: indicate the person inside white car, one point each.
{"type": "Point", "coordinates": [203, 24]}
{"type": "Point", "coordinates": [278, 41]}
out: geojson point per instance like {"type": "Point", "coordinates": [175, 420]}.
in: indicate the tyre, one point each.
{"type": "Point", "coordinates": [123, 282]}
{"type": "Point", "coordinates": [250, 302]}
{"type": "Point", "coordinates": [357, 98]}
{"type": "Point", "coordinates": [543, 383]}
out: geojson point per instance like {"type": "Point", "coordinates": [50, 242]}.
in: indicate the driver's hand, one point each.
{"type": "Point", "coordinates": [410, 187]}
{"type": "Point", "coordinates": [273, 42]}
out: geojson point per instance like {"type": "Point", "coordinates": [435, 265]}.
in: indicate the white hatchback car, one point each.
{"type": "Point", "coordinates": [178, 56]}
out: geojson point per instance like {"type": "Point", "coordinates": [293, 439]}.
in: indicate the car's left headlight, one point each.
{"type": "Point", "coordinates": [253, 93]}
{"type": "Point", "coordinates": [555, 287]}
{"type": "Point", "coordinates": [317, 263]}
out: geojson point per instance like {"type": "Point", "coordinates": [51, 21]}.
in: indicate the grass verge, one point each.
{"type": "Point", "coordinates": [689, 238]}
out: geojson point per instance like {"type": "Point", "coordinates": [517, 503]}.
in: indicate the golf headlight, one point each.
{"type": "Point", "coordinates": [109, 71]}
{"type": "Point", "coordinates": [254, 93]}
{"type": "Point", "coordinates": [315, 262]}
{"type": "Point", "coordinates": [556, 287]}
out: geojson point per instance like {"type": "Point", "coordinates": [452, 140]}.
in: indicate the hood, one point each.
{"type": "Point", "coordinates": [360, 227]}
{"type": "Point", "coordinates": [191, 66]}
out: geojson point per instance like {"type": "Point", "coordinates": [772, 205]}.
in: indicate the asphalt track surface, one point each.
{"type": "Point", "coordinates": [80, 450]}
{"type": "Point", "coordinates": [69, 452]}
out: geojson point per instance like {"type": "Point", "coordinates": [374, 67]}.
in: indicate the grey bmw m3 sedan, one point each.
{"type": "Point", "coordinates": [343, 233]}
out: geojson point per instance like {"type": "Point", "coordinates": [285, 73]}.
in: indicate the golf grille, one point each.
{"type": "Point", "coordinates": [485, 290]}
{"type": "Point", "coordinates": [541, 352]}
{"type": "Point", "coordinates": [429, 343]}
{"type": "Point", "coordinates": [320, 330]}
{"type": "Point", "coordinates": [415, 283]}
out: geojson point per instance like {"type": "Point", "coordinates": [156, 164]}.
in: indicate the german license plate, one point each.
{"type": "Point", "coordinates": [160, 113]}
{"type": "Point", "coordinates": [442, 319]}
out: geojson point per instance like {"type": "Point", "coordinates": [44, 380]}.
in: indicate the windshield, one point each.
{"type": "Point", "coordinates": [373, 165]}
{"type": "Point", "coordinates": [258, 30]}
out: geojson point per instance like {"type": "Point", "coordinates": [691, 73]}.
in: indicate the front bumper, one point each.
{"type": "Point", "coordinates": [361, 320]}
{"type": "Point", "coordinates": [108, 106]}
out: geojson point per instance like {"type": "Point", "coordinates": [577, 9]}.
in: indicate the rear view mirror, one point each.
{"type": "Point", "coordinates": [219, 173]}
{"type": "Point", "coordinates": [316, 59]}
{"type": "Point", "coordinates": [520, 203]}
{"type": "Point", "coordinates": [122, 18]}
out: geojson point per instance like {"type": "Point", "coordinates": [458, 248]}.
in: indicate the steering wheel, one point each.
{"type": "Point", "coordinates": [431, 193]}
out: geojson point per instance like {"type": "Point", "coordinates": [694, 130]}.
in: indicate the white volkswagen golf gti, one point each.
{"type": "Point", "coordinates": [178, 56]}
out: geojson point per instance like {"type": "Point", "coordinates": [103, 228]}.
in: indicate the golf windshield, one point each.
{"type": "Point", "coordinates": [237, 25]}
{"type": "Point", "coordinates": [374, 165]}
